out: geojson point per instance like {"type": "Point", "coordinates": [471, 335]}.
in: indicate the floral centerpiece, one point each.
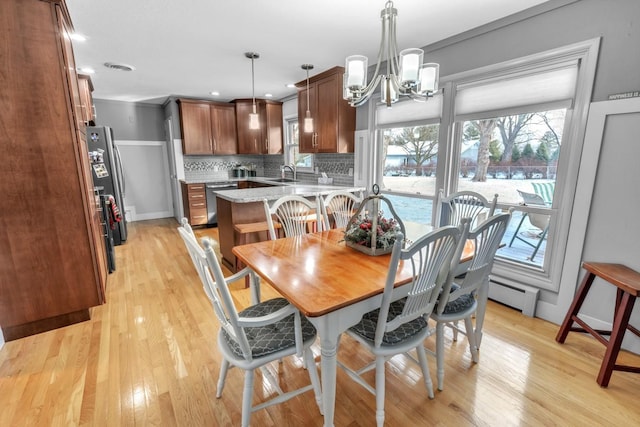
{"type": "Point", "coordinates": [373, 234]}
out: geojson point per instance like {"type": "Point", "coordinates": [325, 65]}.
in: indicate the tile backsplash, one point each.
{"type": "Point", "coordinates": [212, 168]}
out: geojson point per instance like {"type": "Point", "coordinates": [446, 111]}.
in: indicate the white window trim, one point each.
{"type": "Point", "coordinates": [288, 144]}
{"type": "Point", "coordinates": [586, 52]}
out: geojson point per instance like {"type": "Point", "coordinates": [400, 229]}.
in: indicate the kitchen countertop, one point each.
{"type": "Point", "coordinates": [278, 190]}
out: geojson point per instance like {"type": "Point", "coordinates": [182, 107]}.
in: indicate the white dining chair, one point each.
{"type": "Point", "coordinates": [466, 296]}
{"type": "Point", "coordinates": [401, 325]}
{"type": "Point", "coordinates": [295, 215]}
{"type": "Point", "coordinates": [256, 336]}
{"type": "Point", "coordinates": [453, 208]}
{"type": "Point", "coordinates": [339, 206]}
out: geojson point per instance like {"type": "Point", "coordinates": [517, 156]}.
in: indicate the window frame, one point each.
{"type": "Point", "coordinates": [290, 145]}
{"type": "Point", "coordinates": [585, 53]}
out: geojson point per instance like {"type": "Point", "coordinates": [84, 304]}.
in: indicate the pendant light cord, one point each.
{"type": "Point", "coordinates": [307, 89]}
{"type": "Point", "coordinates": [253, 85]}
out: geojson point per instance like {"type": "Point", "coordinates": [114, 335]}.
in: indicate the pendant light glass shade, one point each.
{"type": "Point", "coordinates": [308, 120]}
{"type": "Point", "coordinates": [254, 120]}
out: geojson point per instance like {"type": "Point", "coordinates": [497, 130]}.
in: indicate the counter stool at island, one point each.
{"type": "Point", "coordinates": [628, 283]}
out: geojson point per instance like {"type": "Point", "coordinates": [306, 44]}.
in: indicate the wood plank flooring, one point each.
{"type": "Point", "coordinates": [149, 357]}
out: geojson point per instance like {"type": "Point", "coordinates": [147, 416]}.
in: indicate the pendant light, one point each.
{"type": "Point", "coordinates": [254, 122]}
{"type": "Point", "coordinates": [308, 120]}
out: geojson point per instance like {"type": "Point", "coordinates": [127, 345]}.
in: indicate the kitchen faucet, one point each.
{"type": "Point", "coordinates": [291, 167]}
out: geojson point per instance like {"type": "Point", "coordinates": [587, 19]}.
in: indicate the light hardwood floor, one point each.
{"type": "Point", "coordinates": [149, 357]}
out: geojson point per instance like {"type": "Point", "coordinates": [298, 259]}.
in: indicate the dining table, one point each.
{"type": "Point", "coordinates": [330, 283]}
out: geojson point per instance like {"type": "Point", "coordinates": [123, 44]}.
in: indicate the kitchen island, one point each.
{"type": "Point", "coordinates": [246, 206]}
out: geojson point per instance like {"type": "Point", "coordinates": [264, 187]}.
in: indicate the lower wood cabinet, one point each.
{"type": "Point", "coordinates": [194, 202]}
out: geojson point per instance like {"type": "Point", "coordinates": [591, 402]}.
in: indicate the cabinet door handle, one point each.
{"type": "Point", "coordinates": [197, 196]}
{"type": "Point", "coordinates": [198, 204]}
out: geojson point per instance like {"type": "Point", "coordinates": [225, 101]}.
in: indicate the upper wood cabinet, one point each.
{"type": "Point", "coordinates": [53, 269]}
{"type": "Point", "coordinates": [334, 119]}
{"type": "Point", "coordinates": [268, 139]}
{"type": "Point", "coordinates": [207, 127]}
{"type": "Point", "coordinates": [85, 87]}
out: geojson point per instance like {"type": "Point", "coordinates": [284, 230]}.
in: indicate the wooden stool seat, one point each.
{"type": "Point", "coordinates": [627, 282]}
{"type": "Point", "coordinates": [243, 230]}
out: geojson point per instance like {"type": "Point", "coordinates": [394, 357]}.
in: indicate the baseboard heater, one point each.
{"type": "Point", "coordinates": [521, 297]}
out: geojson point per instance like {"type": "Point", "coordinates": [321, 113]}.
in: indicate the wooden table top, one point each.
{"type": "Point", "coordinates": [318, 274]}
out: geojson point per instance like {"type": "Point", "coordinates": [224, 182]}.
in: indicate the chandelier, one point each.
{"type": "Point", "coordinates": [405, 74]}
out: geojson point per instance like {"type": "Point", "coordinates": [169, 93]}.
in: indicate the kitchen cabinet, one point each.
{"type": "Point", "coordinates": [85, 87]}
{"type": "Point", "coordinates": [194, 202]}
{"type": "Point", "coordinates": [53, 265]}
{"type": "Point", "coordinates": [334, 119]}
{"type": "Point", "coordinates": [252, 184]}
{"type": "Point", "coordinates": [208, 128]}
{"type": "Point", "coordinates": [268, 139]}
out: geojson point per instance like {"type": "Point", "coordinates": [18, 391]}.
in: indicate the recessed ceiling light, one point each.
{"type": "Point", "coordinates": [77, 37]}
{"type": "Point", "coordinates": [215, 93]}
{"type": "Point", "coordinates": [291, 85]}
{"type": "Point", "coordinates": [268, 95]}
{"type": "Point", "coordinates": [121, 67]}
{"type": "Point", "coordinates": [87, 70]}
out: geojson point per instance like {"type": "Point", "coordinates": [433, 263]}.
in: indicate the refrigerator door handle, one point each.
{"type": "Point", "coordinates": [119, 169]}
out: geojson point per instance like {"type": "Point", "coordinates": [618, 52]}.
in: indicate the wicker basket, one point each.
{"type": "Point", "coordinates": [372, 204]}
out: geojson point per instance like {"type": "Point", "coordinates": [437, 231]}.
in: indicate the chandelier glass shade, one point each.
{"type": "Point", "coordinates": [406, 74]}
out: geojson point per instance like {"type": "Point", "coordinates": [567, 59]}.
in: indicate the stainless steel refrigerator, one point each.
{"type": "Point", "coordinates": [106, 166]}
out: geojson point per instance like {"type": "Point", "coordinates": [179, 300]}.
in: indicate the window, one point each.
{"type": "Point", "coordinates": [504, 128]}
{"type": "Point", "coordinates": [408, 137]}
{"type": "Point", "coordinates": [302, 161]}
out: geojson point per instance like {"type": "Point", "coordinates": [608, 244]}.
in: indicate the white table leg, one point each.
{"type": "Point", "coordinates": [330, 327]}
{"type": "Point", "coordinates": [329, 333]}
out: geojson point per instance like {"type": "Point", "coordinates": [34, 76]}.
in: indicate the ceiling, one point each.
{"type": "Point", "coordinates": [190, 48]}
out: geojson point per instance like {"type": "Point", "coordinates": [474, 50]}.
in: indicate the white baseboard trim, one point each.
{"type": "Point", "coordinates": [522, 297]}
{"type": "Point", "coordinates": [152, 215]}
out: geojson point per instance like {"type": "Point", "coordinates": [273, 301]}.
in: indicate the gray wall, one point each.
{"type": "Point", "coordinates": [139, 134]}
{"type": "Point", "coordinates": [616, 21]}
{"type": "Point", "coordinates": [131, 120]}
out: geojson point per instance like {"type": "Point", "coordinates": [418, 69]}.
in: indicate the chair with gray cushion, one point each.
{"type": "Point", "coordinates": [401, 325]}
{"type": "Point", "coordinates": [467, 296]}
{"type": "Point", "coordinates": [256, 336]}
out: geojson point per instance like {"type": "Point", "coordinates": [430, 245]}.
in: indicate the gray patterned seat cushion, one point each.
{"type": "Point", "coordinates": [269, 339]}
{"type": "Point", "coordinates": [462, 303]}
{"type": "Point", "coordinates": [367, 326]}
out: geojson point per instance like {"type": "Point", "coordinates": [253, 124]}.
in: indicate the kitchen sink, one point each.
{"type": "Point", "coordinates": [281, 179]}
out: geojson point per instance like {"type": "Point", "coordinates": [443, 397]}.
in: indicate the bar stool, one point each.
{"type": "Point", "coordinates": [628, 283]}
{"type": "Point", "coordinates": [249, 228]}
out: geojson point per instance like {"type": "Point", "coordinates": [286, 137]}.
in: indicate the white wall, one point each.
{"type": "Point", "coordinates": [612, 232]}
{"type": "Point", "coordinates": [146, 172]}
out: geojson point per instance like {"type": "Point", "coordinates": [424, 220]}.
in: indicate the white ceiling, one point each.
{"type": "Point", "coordinates": [193, 47]}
